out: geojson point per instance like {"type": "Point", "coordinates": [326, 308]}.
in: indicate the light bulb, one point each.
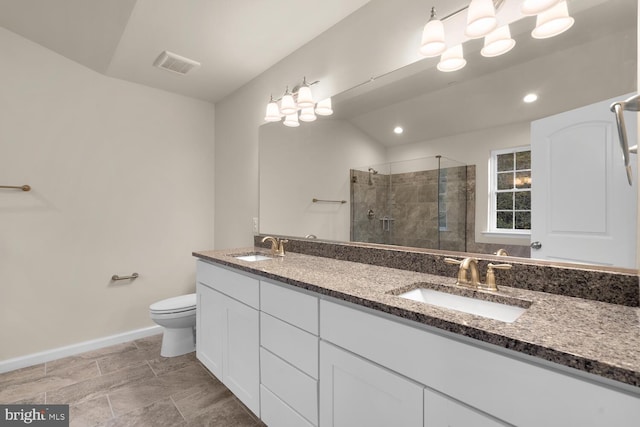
{"type": "Point", "coordinates": [481, 18]}
{"type": "Point", "coordinates": [287, 104]}
{"type": "Point", "coordinates": [291, 120]}
{"type": "Point", "coordinates": [552, 22]}
{"type": "Point", "coordinates": [324, 107]}
{"type": "Point", "coordinates": [498, 42]}
{"type": "Point", "coordinates": [273, 113]}
{"type": "Point", "coordinates": [307, 114]}
{"type": "Point", "coordinates": [433, 43]}
{"type": "Point", "coordinates": [452, 59]}
{"type": "Point", "coordinates": [305, 99]}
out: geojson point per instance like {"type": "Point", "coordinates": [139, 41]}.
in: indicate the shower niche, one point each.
{"type": "Point", "coordinates": [416, 203]}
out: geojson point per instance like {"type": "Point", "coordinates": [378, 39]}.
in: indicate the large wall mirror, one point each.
{"type": "Point", "coordinates": [452, 125]}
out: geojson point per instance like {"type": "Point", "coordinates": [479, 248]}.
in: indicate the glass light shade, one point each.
{"type": "Point", "coordinates": [452, 59]}
{"type": "Point", "coordinates": [305, 99]}
{"type": "Point", "coordinates": [291, 120]}
{"type": "Point", "coordinates": [307, 114]}
{"type": "Point", "coordinates": [498, 42]}
{"type": "Point", "coordinates": [324, 107]}
{"type": "Point", "coordinates": [288, 105]}
{"type": "Point", "coordinates": [273, 113]}
{"type": "Point", "coordinates": [433, 39]}
{"type": "Point", "coordinates": [481, 18]}
{"type": "Point", "coordinates": [534, 7]}
{"type": "Point", "coordinates": [552, 22]}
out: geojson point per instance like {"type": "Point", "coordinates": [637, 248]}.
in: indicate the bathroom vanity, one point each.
{"type": "Point", "coordinates": [312, 341]}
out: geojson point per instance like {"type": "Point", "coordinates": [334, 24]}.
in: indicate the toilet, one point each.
{"type": "Point", "coordinates": [177, 316]}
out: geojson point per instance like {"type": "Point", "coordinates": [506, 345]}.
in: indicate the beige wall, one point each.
{"type": "Point", "coordinates": [122, 179]}
{"type": "Point", "coordinates": [311, 161]}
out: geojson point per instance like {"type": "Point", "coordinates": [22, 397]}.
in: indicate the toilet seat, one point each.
{"type": "Point", "coordinates": [181, 304]}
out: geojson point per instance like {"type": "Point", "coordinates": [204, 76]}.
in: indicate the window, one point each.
{"type": "Point", "coordinates": [510, 204]}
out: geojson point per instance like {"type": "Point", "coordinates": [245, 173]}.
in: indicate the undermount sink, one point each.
{"type": "Point", "coordinates": [494, 310]}
{"type": "Point", "coordinates": [252, 257]}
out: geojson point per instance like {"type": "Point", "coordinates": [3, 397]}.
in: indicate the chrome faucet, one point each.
{"type": "Point", "coordinates": [467, 267]}
{"type": "Point", "coordinates": [277, 245]}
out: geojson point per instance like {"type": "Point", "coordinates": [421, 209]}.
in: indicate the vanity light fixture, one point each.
{"type": "Point", "coordinates": [273, 113]}
{"type": "Point", "coordinates": [552, 22]}
{"type": "Point", "coordinates": [287, 103]}
{"type": "Point", "coordinates": [323, 108]}
{"type": "Point", "coordinates": [299, 101]}
{"type": "Point", "coordinates": [452, 59]}
{"type": "Point", "coordinates": [305, 99]}
{"type": "Point", "coordinates": [291, 120]}
{"type": "Point", "coordinates": [553, 18]}
{"type": "Point", "coordinates": [433, 43]}
{"type": "Point", "coordinates": [307, 114]}
{"type": "Point", "coordinates": [481, 18]}
{"type": "Point", "coordinates": [498, 42]}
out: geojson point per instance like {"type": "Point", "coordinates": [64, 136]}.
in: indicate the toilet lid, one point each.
{"type": "Point", "coordinates": [181, 303]}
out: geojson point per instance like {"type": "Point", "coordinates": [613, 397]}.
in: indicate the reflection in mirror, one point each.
{"type": "Point", "coordinates": [468, 115]}
{"type": "Point", "coordinates": [417, 203]}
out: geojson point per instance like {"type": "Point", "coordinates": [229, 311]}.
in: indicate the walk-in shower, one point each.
{"type": "Point", "coordinates": [417, 203]}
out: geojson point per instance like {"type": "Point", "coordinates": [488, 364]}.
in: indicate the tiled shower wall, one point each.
{"type": "Point", "coordinates": [410, 201]}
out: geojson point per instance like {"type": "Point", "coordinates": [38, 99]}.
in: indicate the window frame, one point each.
{"type": "Point", "coordinates": [493, 192]}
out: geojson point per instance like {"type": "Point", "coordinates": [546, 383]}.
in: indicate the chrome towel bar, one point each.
{"type": "Point", "coordinates": [328, 201]}
{"type": "Point", "coordinates": [116, 277]}
{"type": "Point", "coordinates": [17, 187]}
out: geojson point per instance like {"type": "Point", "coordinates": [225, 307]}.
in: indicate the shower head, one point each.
{"type": "Point", "coordinates": [373, 171]}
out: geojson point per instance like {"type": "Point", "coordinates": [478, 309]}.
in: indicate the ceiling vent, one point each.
{"type": "Point", "coordinates": [175, 63]}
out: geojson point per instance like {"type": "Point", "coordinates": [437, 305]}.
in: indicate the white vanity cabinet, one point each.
{"type": "Point", "coordinates": [227, 330]}
{"type": "Point", "coordinates": [299, 359]}
{"type": "Point", "coordinates": [490, 386]}
{"type": "Point", "coordinates": [288, 356]}
{"type": "Point", "coordinates": [356, 392]}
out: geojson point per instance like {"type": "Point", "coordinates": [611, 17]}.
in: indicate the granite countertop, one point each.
{"type": "Point", "coordinates": [592, 336]}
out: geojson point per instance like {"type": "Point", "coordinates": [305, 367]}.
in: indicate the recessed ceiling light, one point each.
{"type": "Point", "coordinates": [530, 97]}
{"type": "Point", "coordinates": [398, 130]}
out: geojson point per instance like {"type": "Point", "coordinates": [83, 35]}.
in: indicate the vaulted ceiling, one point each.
{"type": "Point", "coordinates": [234, 40]}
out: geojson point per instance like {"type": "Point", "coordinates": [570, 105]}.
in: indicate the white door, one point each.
{"type": "Point", "coordinates": [357, 393]}
{"type": "Point", "coordinates": [583, 207]}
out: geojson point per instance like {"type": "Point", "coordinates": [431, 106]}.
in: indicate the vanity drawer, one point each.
{"type": "Point", "coordinates": [292, 306]}
{"type": "Point", "coordinates": [237, 285]}
{"type": "Point", "coordinates": [274, 412]}
{"type": "Point", "coordinates": [292, 386]}
{"type": "Point", "coordinates": [292, 344]}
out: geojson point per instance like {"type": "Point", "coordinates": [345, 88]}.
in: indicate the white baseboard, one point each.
{"type": "Point", "coordinates": [70, 350]}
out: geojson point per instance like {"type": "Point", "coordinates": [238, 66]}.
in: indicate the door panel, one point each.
{"type": "Point", "coordinates": [583, 208]}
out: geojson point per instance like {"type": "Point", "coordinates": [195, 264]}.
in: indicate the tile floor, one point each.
{"type": "Point", "coordinates": [129, 384]}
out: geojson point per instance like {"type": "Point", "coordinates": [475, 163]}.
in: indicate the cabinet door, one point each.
{"type": "Point", "coordinates": [441, 411]}
{"type": "Point", "coordinates": [210, 322]}
{"type": "Point", "coordinates": [241, 358]}
{"type": "Point", "coordinates": [355, 392]}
